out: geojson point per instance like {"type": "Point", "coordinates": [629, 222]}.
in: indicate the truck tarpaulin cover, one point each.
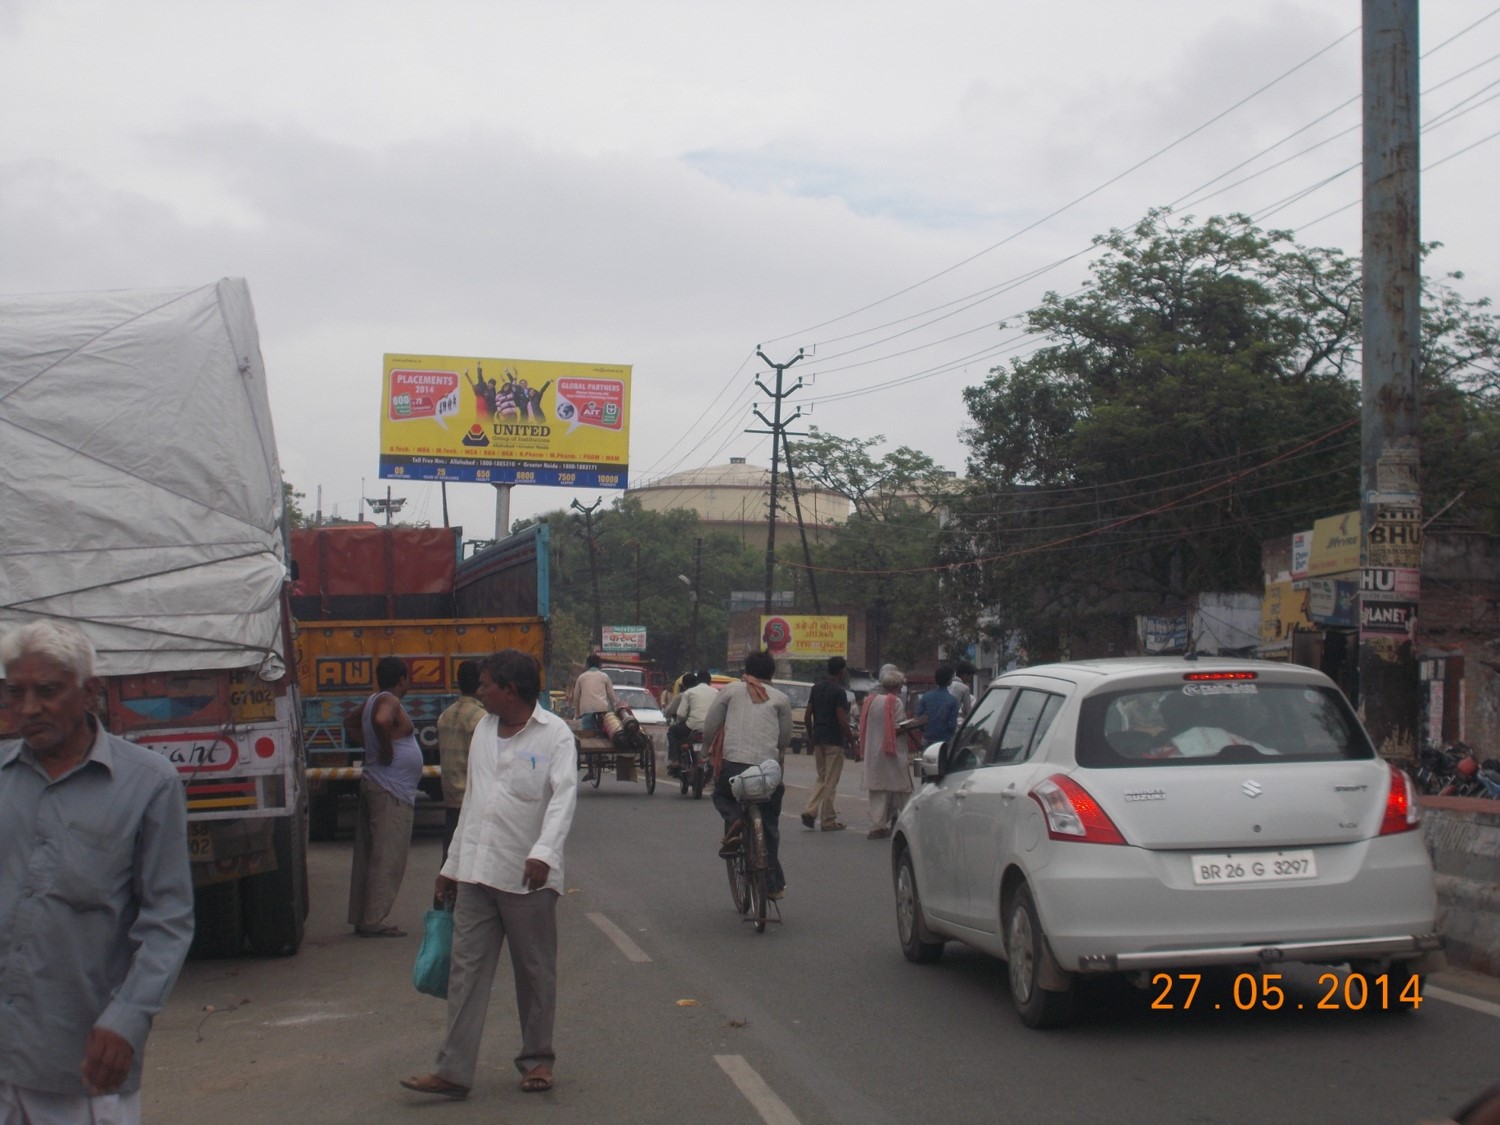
{"type": "Point", "coordinates": [374, 572]}
{"type": "Point", "coordinates": [140, 493]}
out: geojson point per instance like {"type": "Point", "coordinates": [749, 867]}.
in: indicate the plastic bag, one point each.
{"type": "Point", "coordinates": [758, 783]}
{"type": "Point", "coordinates": [430, 972]}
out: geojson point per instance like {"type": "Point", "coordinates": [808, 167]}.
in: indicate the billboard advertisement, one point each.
{"type": "Point", "coordinates": [622, 638]}
{"type": "Point", "coordinates": [800, 637]}
{"type": "Point", "coordinates": [505, 421]}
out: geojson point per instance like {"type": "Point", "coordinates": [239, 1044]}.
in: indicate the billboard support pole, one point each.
{"type": "Point", "coordinates": [502, 511]}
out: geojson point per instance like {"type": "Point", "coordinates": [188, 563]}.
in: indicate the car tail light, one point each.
{"type": "Point", "coordinates": [1214, 676]}
{"type": "Point", "coordinates": [1402, 813]}
{"type": "Point", "coordinates": [1072, 814]}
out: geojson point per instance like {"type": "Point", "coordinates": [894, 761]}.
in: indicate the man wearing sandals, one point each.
{"type": "Point", "coordinates": [504, 874]}
{"type": "Point", "coordinates": [96, 896]}
{"type": "Point", "coordinates": [755, 721]}
{"type": "Point", "coordinates": [388, 787]}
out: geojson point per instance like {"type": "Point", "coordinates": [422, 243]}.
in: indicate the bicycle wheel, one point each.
{"type": "Point", "coordinates": [759, 865]}
{"type": "Point", "coordinates": [739, 884]}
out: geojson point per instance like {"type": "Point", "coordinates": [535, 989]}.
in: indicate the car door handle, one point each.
{"type": "Point", "coordinates": [1010, 792]}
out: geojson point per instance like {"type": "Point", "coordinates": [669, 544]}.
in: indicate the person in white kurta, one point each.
{"type": "Point", "coordinates": [504, 874]}
{"type": "Point", "coordinates": [884, 749]}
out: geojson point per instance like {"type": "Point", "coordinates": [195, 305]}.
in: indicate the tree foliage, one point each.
{"type": "Point", "coordinates": [884, 558]}
{"type": "Point", "coordinates": [1199, 396]}
{"type": "Point", "coordinates": [638, 555]}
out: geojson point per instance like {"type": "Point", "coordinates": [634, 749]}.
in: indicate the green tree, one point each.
{"type": "Point", "coordinates": [1460, 405]}
{"type": "Point", "coordinates": [884, 558]}
{"type": "Point", "coordinates": [1198, 397]}
{"type": "Point", "coordinates": [639, 554]}
{"type": "Point", "coordinates": [294, 499]}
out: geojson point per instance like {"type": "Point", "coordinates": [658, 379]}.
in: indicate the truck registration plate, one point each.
{"type": "Point", "coordinates": [200, 843]}
{"type": "Point", "coordinates": [1253, 867]}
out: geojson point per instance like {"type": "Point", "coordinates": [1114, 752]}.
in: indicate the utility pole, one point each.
{"type": "Point", "coordinates": [636, 543]}
{"type": "Point", "coordinates": [791, 478]}
{"type": "Point", "coordinates": [697, 599]}
{"type": "Point", "coordinates": [777, 432]}
{"type": "Point", "coordinates": [588, 519]}
{"type": "Point", "coordinates": [1390, 492]}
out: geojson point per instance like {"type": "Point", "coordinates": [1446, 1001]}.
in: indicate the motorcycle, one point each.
{"type": "Point", "coordinates": [692, 765]}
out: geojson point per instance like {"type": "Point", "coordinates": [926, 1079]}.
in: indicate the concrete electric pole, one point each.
{"type": "Point", "coordinates": [1390, 490]}
{"type": "Point", "coordinates": [777, 432]}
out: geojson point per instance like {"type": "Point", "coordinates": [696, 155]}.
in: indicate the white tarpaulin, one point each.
{"type": "Point", "coordinates": [140, 494]}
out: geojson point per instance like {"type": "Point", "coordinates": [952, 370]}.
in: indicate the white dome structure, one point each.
{"type": "Point", "coordinates": [735, 497]}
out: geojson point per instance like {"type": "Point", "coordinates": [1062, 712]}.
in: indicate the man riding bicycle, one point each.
{"type": "Point", "coordinates": [756, 722]}
{"type": "Point", "coordinates": [690, 708]}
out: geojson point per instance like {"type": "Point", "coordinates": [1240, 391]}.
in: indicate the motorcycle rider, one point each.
{"type": "Point", "coordinates": [690, 709]}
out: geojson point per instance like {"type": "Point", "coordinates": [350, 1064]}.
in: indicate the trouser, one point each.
{"type": "Point", "coordinates": [770, 816]}
{"type": "Point", "coordinates": [678, 735]}
{"type": "Point", "coordinates": [450, 825]}
{"type": "Point", "coordinates": [382, 838]}
{"type": "Point", "coordinates": [19, 1106]}
{"type": "Point", "coordinates": [483, 918]}
{"type": "Point", "coordinates": [886, 806]}
{"type": "Point", "coordinates": [828, 758]}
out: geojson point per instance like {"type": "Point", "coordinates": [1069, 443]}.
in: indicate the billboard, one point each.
{"type": "Point", "coordinates": [622, 638]}
{"type": "Point", "coordinates": [505, 421]}
{"type": "Point", "coordinates": [805, 637]}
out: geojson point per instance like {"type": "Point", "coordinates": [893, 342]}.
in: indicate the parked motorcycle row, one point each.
{"type": "Point", "coordinates": [1457, 772]}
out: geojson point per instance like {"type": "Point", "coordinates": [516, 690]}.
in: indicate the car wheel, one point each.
{"type": "Point", "coordinates": [1403, 982]}
{"type": "Point", "coordinates": [909, 915]}
{"type": "Point", "coordinates": [1025, 949]}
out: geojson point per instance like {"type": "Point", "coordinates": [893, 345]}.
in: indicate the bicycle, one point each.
{"type": "Point", "coordinates": [749, 868]}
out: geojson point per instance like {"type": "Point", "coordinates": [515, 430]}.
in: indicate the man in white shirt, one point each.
{"type": "Point", "coordinates": [690, 709]}
{"type": "Point", "coordinates": [757, 723]}
{"type": "Point", "coordinates": [504, 874]}
{"type": "Point", "coordinates": [592, 694]}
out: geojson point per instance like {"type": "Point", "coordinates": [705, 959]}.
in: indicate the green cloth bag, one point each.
{"type": "Point", "coordinates": [430, 972]}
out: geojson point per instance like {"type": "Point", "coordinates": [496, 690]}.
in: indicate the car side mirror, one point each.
{"type": "Point", "coordinates": [930, 764]}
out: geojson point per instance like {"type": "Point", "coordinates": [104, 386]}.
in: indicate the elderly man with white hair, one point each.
{"type": "Point", "coordinates": [96, 895]}
{"type": "Point", "coordinates": [883, 746]}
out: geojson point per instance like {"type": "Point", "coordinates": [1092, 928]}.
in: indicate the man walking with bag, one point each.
{"type": "Point", "coordinates": [504, 874]}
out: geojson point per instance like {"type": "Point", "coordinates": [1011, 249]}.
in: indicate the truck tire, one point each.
{"type": "Point", "coordinates": [276, 901]}
{"type": "Point", "coordinates": [218, 921]}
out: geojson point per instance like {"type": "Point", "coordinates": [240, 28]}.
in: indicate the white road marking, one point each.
{"type": "Point", "coordinates": [772, 1110]}
{"type": "Point", "coordinates": [1433, 992]}
{"type": "Point", "coordinates": [621, 939]}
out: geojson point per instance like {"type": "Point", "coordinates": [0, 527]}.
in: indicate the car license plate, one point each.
{"type": "Point", "coordinates": [1253, 867]}
{"type": "Point", "coordinates": [200, 843]}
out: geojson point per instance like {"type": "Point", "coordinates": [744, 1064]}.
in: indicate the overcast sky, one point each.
{"type": "Point", "coordinates": [670, 184]}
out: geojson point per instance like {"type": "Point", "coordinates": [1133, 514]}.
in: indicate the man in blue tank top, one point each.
{"type": "Point", "coordinates": [387, 797]}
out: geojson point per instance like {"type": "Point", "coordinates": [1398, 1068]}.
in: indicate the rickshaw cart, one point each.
{"type": "Point", "coordinates": [622, 744]}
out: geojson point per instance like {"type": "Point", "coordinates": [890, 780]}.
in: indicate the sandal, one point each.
{"type": "Point", "coordinates": [432, 1084]}
{"type": "Point", "coordinates": [381, 931]}
{"type": "Point", "coordinates": [536, 1081]}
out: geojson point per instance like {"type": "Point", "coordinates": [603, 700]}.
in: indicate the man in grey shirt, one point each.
{"type": "Point", "coordinates": [96, 895]}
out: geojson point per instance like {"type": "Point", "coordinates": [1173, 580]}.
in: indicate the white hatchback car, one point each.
{"type": "Point", "coordinates": [1138, 815]}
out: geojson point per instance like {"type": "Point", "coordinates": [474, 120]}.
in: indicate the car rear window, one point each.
{"type": "Point", "coordinates": [1186, 724]}
{"type": "Point", "coordinates": [638, 699]}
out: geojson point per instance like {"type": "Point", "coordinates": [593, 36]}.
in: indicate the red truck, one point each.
{"type": "Point", "coordinates": [365, 592]}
